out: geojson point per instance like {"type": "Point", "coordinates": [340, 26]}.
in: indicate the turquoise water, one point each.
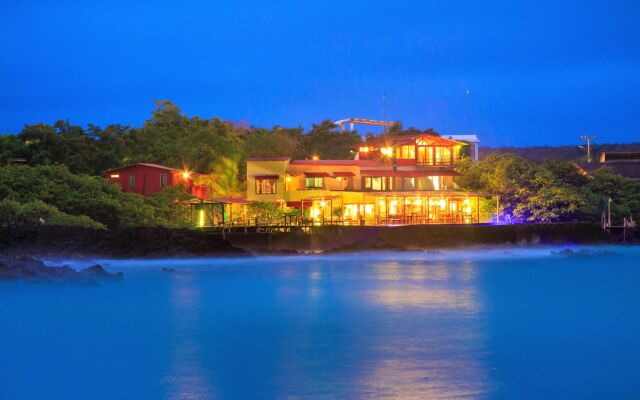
{"type": "Point", "coordinates": [504, 324]}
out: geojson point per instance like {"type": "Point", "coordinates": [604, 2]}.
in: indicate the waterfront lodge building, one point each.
{"type": "Point", "coordinates": [392, 180]}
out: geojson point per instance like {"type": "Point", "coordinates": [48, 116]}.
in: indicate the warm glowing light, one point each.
{"type": "Point", "coordinates": [351, 211]}
{"type": "Point", "coordinates": [368, 209]}
{"type": "Point", "coordinates": [364, 149]}
{"type": "Point", "coordinates": [315, 212]}
{"type": "Point", "coordinates": [466, 201]}
{"type": "Point", "coordinates": [381, 203]}
{"type": "Point", "coordinates": [417, 202]}
{"type": "Point", "coordinates": [339, 178]}
{"type": "Point", "coordinates": [288, 179]}
{"type": "Point", "coordinates": [323, 204]}
{"type": "Point", "coordinates": [443, 204]}
{"type": "Point", "coordinates": [315, 158]}
{"type": "Point", "coordinates": [201, 218]}
{"type": "Point", "coordinates": [393, 207]}
{"type": "Point", "coordinates": [115, 176]}
{"type": "Point", "coordinates": [186, 174]}
{"type": "Point", "coordinates": [468, 210]}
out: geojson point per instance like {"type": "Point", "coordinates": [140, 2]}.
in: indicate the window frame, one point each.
{"type": "Point", "coordinates": [260, 188]}
{"type": "Point", "coordinates": [315, 180]}
{"type": "Point", "coordinates": [131, 183]}
{"type": "Point", "coordinates": [164, 179]}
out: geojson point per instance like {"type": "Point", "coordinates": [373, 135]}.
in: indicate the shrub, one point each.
{"type": "Point", "coordinates": [37, 212]}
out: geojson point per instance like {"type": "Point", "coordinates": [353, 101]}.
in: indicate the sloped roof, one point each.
{"type": "Point", "coordinates": [465, 138]}
{"type": "Point", "coordinates": [629, 169]}
{"type": "Point", "coordinates": [408, 174]}
{"type": "Point", "coordinates": [355, 163]}
{"type": "Point", "coordinates": [268, 158]}
{"type": "Point", "coordinates": [390, 140]}
{"type": "Point", "coordinates": [158, 166]}
{"type": "Point", "coordinates": [619, 156]}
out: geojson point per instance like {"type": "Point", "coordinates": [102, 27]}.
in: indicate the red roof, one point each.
{"type": "Point", "coordinates": [267, 176]}
{"type": "Point", "coordinates": [405, 139]}
{"type": "Point", "coordinates": [355, 163]}
{"type": "Point", "coordinates": [225, 200]}
{"type": "Point", "coordinates": [343, 173]}
{"type": "Point", "coordinates": [268, 158]}
{"type": "Point", "coordinates": [158, 166]}
{"type": "Point", "coordinates": [408, 174]}
{"type": "Point", "coordinates": [316, 174]}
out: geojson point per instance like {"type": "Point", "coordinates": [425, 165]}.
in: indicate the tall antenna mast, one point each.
{"type": "Point", "coordinates": [588, 139]}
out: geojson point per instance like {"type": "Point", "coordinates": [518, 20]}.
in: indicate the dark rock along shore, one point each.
{"type": "Point", "coordinates": [60, 241]}
{"type": "Point", "coordinates": [30, 269]}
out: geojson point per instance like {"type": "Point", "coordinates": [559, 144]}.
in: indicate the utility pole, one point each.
{"type": "Point", "coordinates": [588, 139]}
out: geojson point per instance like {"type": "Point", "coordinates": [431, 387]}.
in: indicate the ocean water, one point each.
{"type": "Point", "coordinates": [516, 323]}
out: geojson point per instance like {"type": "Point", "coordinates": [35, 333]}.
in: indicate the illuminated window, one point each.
{"type": "Point", "coordinates": [350, 212]}
{"type": "Point", "coordinates": [408, 183]}
{"type": "Point", "coordinates": [406, 152]}
{"type": "Point", "coordinates": [115, 176]}
{"type": "Point", "coordinates": [436, 183]}
{"type": "Point", "coordinates": [266, 185]}
{"type": "Point", "coordinates": [375, 183]}
{"type": "Point", "coordinates": [314, 182]}
{"type": "Point", "coordinates": [443, 155]}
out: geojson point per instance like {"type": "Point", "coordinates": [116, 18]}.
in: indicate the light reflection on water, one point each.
{"type": "Point", "coordinates": [439, 361]}
{"type": "Point", "coordinates": [482, 324]}
{"type": "Point", "coordinates": [187, 377]}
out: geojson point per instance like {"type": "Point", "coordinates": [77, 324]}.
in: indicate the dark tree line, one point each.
{"type": "Point", "coordinates": [169, 138]}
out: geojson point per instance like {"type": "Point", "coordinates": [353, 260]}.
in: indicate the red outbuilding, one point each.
{"type": "Point", "coordinates": [143, 178]}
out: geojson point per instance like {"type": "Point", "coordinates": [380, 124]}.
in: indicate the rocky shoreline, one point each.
{"type": "Point", "coordinates": [52, 242]}
{"type": "Point", "coordinates": [29, 269]}
{"type": "Point", "coordinates": [73, 242]}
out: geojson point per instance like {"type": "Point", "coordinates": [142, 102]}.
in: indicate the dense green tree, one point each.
{"type": "Point", "coordinates": [224, 179]}
{"type": "Point", "coordinates": [624, 194]}
{"type": "Point", "coordinates": [172, 139]}
{"type": "Point", "coordinates": [277, 142]}
{"type": "Point", "coordinates": [327, 142]}
{"type": "Point", "coordinates": [37, 212]}
{"type": "Point", "coordinates": [93, 197]}
{"type": "Point", "coordinates": [550, 191]}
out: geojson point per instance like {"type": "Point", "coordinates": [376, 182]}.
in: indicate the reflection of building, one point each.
{"type": "Point", "coordinates": [392, 180]}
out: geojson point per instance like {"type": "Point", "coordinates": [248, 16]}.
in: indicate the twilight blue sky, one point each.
{"type": "Point", "coordinates": [538, 72]}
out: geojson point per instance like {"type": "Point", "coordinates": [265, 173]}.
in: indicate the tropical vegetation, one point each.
{"type": "Point", "coordinates": [50, 173]}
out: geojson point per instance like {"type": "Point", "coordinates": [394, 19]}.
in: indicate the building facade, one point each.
{"type": "Point", "coordinates": [391, 180]}
{"type": "Point", "coordinates": [143, 178]}
{"type": "Point", "coordinates": [204, 210]}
